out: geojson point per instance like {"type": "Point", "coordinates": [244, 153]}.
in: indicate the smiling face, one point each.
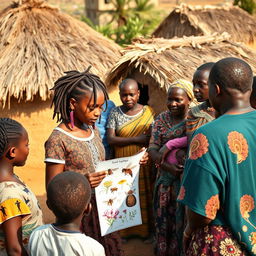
{"type": "Point", "coordinates": [85, 109]}
{"type": "Point", "coordinates": [177, 101]}
{"type": "Point", "coordinates": [129, 94]}
{"type": "Point", "coordinates": [200, 82]}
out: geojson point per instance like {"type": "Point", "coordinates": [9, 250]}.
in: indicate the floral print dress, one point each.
{"type": "Point", "coordinates": [219, 183]}
{"type": "Point", "coordinates": [169, 216]}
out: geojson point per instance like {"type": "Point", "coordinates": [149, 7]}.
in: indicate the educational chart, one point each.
{"type": "Point", "coordinates": [117, 196]}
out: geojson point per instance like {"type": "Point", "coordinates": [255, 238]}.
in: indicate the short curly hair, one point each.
{"type": "Point", "coordinates": [68, 195]}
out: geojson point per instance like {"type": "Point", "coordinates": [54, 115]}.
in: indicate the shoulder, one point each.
{"type": "Point", "coordinates": [115, 110]}
{"type": "Point", "coordinates": [149, 109]}
{"type": "Point", "coordinates": [164, 116]}
{"type": "Point", "coordinates": [10, 190]}
{"type": "Point", "coordinates": [41, 229]}
{"type": "Point", "coordinates": [55, 136]}
{"type": "Point", "coordinates": [193, 112]}
{"type": "Point", "coordinates": [92, 243]}
{"type": "Point", "coordinates": [111, 104]}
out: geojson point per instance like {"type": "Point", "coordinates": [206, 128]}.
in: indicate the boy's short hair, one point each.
{"type": "Point", "coordinates": [68, 195]}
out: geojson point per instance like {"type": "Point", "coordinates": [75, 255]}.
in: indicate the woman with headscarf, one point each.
{"type": "Point", "coordinates": [169, 125]}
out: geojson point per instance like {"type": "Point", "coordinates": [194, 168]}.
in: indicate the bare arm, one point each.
{"type": "Point", "coordinates": [155, 155]}
{"type": "Point", "coordinates": [194, 221]}
{"type": "Point", "coordinates": [12, 229]}
{"type": "Point", "coordinates": [114, 140]}
{"type": "Point", "coordinates": [52, 170]}
{"type": "Point", "coordinates": [174, 169]}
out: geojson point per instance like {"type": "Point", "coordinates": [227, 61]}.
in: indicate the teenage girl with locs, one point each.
{"type": "Point", "coordinates": [76, 146]}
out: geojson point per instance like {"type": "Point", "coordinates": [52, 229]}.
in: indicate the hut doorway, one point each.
{"type": "Point", "coordinates": [144, 96]}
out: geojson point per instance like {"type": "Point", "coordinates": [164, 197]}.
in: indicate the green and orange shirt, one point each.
{"type": "Point", "coordinates": [18, 200]}
{"type": "Point", "coordinates": [220, 175]}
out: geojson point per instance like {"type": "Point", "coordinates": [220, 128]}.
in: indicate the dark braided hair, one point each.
{"type": "Point", "coordinates": [73, 85]}
{"type": "Point", "coordinates": [10, 132]}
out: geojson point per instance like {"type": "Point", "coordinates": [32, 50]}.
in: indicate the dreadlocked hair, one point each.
{"type": "Point", "coordinates": [73, 85]}
{"type": "Point", "coordinates": [10, 131]}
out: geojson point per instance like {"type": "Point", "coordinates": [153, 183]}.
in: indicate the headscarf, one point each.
{"type": "Point", "coordinates": [187, 87]}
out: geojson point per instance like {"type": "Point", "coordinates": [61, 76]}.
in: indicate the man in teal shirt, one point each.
{"type": "Point", "coordinates": [219, 183]}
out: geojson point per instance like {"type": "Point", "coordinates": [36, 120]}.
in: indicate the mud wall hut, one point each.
{"type": "Point", "coordinates": [188, 20]}
{"type": "Point", "coordinates": [38, 43]}
{"type": "Point", "coordinates": [158, 62]}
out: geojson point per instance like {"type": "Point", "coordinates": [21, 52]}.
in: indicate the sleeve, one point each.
{"type": "Point", "coordinates": [54, 150]}
{"type": "Point", "coordinates": [12, 205]}
{"type": "Point", "coordinates": [112, 123]}
{"type": "Point", "coordinates": [201, 191]}
{"type": "Point", "coordinates": [177, 143]}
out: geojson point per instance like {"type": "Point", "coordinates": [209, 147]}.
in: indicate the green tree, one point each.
{"type": "Point", "coordinates": [127, 22]}
{"type": "Point", "coordinates": [121, 11]}
{"type": "Point", "coordinates": [247, 5]}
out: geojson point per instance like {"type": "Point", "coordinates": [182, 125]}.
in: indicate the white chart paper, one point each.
{"type": "Point", "coordinates": [117, 196]}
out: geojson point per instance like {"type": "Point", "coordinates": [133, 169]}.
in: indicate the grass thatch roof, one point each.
{"type": "Point", "coordinates": [167, 60]}
{"type": "Point", "coordinates": [38, 43]}
{"type": "Point", "coordinates": [187, 20]}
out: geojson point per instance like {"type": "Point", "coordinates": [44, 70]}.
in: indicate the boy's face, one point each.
{"type": "Point", "coordinates": [200, 82]}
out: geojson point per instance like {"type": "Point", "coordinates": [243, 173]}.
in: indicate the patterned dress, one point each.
{"type": "Point", "coordinates": [169, 215]}
{"type": "Point", "coordinates": [132, 126]}
{"type": "Point", "coordinates": [82, 155]}
{"type": "Point", "coordinates": [18, 200]}
{"type": "Point", "coordinates": [198, 116]}
{"type": "Point", "coordinates": [219, 183]}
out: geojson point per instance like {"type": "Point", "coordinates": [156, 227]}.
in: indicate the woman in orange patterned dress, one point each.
{"type": "Point", "coordinates": [218, 186]}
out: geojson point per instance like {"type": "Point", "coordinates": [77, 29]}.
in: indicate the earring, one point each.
{"type": "Point", "coordinates": [72, 119]}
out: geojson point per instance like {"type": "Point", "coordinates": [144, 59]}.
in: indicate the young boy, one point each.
{"type": "Point", "coordinates": [68, 197]}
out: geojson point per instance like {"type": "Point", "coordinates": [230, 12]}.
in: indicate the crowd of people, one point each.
{"type": "Point", "coordinates": [196, 184]}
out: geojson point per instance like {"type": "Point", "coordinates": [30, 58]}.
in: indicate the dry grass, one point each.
{"type": "Point", "coordinates": [157, 62]}
{"type": "Point", "coordinates": [38, 43]}
{"type": "Point", "coordinates": [204, 20]}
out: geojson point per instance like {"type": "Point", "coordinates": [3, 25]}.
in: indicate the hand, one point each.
{"type": "Point", "coordinates": [144, 158]}
{"type": "Point", "coordinates": [95, 178]}
{"type": "Point", "coordinates": [174, 169]}
{"type": "Point", "coordinates": [187, 235]}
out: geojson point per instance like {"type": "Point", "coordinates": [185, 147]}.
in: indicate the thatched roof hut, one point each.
{"type": "Point", "coordinates": [157, 62]}
{"type": "Point", "coordinates": [38, 43]}
{"type": "Point", "coordinates": [205, 20]}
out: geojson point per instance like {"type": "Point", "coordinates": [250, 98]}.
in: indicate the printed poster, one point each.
{"type": "Point", "coordinates": [117, 196]}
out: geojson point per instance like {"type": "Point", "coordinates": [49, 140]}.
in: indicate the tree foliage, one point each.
{"type": "Point", "coordinates": [247, 5]}
{"type": "Point", "coordinates": [129, 22]}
